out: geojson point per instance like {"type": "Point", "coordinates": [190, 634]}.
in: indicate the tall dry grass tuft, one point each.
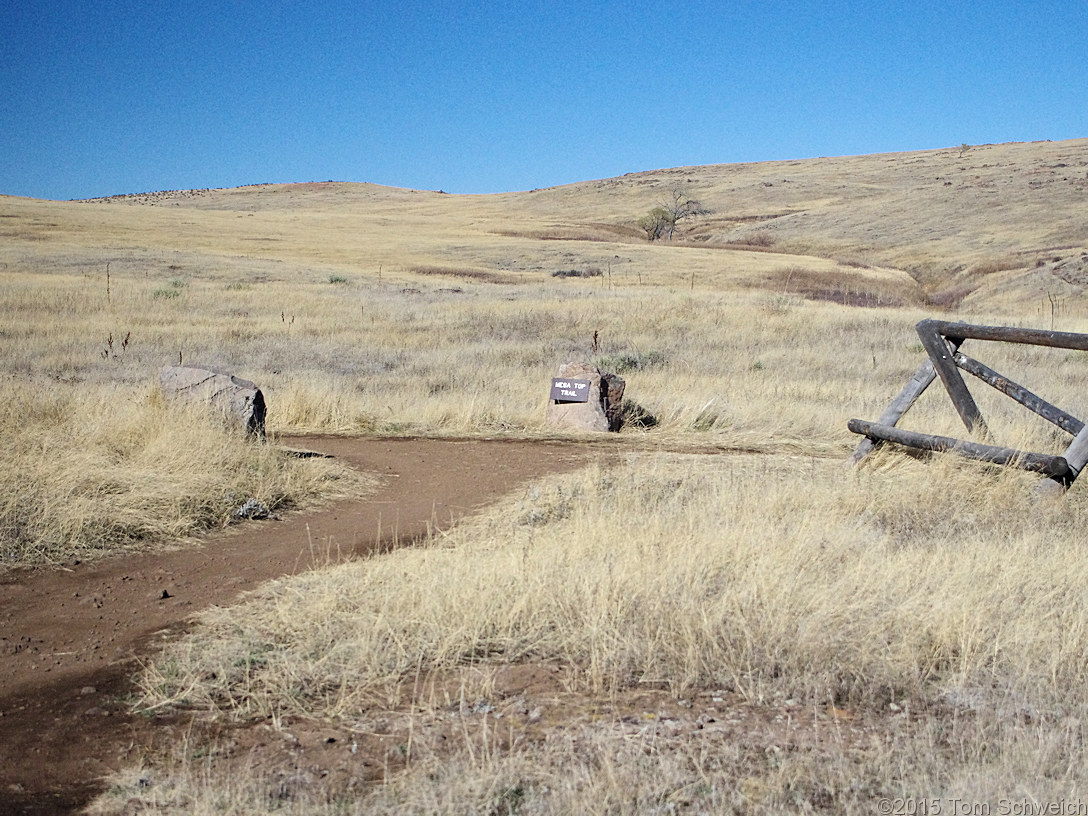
{"type": "Point", "coordinates": [312, 405]}
{"type": "Point", "coordinates": [82, 474]}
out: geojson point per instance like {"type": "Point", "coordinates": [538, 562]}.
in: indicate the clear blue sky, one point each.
{"type": "Point", "coordinates": [99, 97]}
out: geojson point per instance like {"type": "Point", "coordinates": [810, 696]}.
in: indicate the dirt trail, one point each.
{"type": "Point", "coordinates": [70, 638]}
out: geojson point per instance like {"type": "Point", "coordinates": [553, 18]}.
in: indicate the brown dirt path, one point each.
{"type": "Point", "coordinates": [70, 638]}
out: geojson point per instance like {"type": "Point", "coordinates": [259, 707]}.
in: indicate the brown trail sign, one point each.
{"type": "Point", "coordinates": [564, 390]}
{"type": "Point", "coordinates": [942, 340]}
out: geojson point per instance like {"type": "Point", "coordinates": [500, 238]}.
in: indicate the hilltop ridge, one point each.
{"type": "Point", "coordinates": [989, 222]}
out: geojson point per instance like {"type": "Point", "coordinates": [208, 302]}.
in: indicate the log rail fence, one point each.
{"type": "Point", "coordinates": [942, 341]}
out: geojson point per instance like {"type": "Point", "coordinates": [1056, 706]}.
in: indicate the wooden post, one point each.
{"type": "Point", "coordinates": [1055, 467]}
{"type": "Point", "coordinates": [1067, 422]}
{"type": "Point", "coordinates": [1010, 334]}
{"type": "Point", "coordinates": [941, 340]}
{"type": "Point", "coordinates": [1077, 457]}
{"type": "Point", "coordinates": [941, 354]}
{"type": "Point", "coordinates": [899, 406]}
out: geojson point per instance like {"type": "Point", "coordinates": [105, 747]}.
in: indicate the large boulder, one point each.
{"type": "Point", "coordinates": [594, 399]}
{"type": "Point", "coordinates": [239, 400]}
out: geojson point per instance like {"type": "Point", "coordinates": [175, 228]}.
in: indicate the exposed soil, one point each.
{"type": "Point", "coordinates": [530, 709]}
{"type": "Point", "coordinates": [71, 638]}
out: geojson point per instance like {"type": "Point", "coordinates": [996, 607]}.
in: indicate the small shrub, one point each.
{"type": "Point", "coordinates": [760, 239]}
{"type": "Point", "coordinates": [589, 272]}
{"type": "Point", "coordinates": [632, 361]}
{"type": "Point", "coordinates": [337, 279]}
{"type": "Point", "coordinates": [165, 294]}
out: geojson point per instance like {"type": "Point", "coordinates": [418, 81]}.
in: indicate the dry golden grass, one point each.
{"type": "Point", "coordinates": [813, 589]}
{"type": "Point", "coordinates": [924, 216]}
{"type": "Point", "coordinates": [939, 604]}
{"type": "Point", "coordinates": [115, 469]}
{"type": "Point", "coordinates": [699, 572]}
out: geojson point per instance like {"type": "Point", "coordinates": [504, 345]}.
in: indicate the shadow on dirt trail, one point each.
{"type": "Point", "coordinates": [71, 637]}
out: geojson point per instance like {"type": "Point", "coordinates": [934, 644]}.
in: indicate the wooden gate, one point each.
{"type": "Point", "coordinates": [942, 341]}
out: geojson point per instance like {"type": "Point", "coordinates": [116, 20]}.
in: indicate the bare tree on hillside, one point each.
{"type": "Point", "coordinates": [662, 220]}
{"type": "Point", "coordinates": [680, 207]}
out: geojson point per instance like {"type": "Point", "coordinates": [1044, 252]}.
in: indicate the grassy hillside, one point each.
{"type": "Point", "coordinates": [360, 308]}
{"type": "Point", "coordinates": [1015, 209]}
{"type": "Point", "coordinates": [905, 630]}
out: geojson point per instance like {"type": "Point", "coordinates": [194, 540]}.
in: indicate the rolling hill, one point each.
{"type": "Point", "coordinates": [990, 225]}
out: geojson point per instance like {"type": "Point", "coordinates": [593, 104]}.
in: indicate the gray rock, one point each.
{"type": "Point", "coordinates": [602, 410]}
{"type": "Point", "coordinates": [240, 400]}
{"type": "Point", "coordinates": [251, 509]}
